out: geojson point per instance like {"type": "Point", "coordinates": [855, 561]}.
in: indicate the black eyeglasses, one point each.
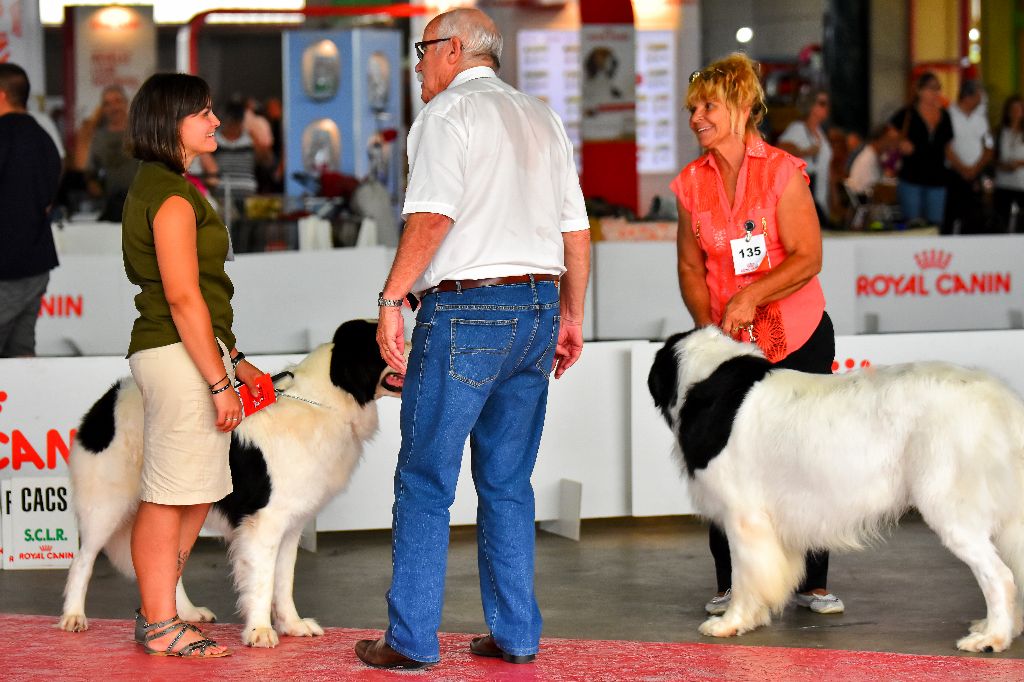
{"type": "Point", "coordinates": [423, 43]}
{"type": "Point", "coordinates": [706, 74]}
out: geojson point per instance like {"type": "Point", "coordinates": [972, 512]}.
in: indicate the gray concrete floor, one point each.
{"type": "Point", "coordinates": [627, 579]}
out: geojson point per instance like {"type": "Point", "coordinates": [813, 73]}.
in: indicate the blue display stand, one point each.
{"type": "Point", "coordinates": [341, 105]}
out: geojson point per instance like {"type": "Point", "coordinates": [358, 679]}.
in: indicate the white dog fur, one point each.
{"type": "Point", "coordinates": [827, 462]}
{"type": "Point", "coordinates": [309, 452]}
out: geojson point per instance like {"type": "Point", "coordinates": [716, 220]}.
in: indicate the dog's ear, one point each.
{"type": "Point", "coordinates": [663, 379]}
{"type": "Point", "coordinates": [356, 364]}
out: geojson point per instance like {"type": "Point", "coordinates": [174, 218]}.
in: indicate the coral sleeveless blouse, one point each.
{"type": "Point", "coordinates": [782, 326]}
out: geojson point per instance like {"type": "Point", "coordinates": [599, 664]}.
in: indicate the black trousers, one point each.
{"type": "Point", "coordinates": [964, 206]}
{"type": "Point", "coordinates": [1004, 200]}
{"type": "Point", "coordinates": [815, 357]}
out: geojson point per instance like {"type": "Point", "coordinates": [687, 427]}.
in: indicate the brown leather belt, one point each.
{"type": "Point", "coordinates": [459, 284]}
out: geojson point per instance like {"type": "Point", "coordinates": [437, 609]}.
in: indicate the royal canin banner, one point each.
{"type": "Point", "coordinates": [959, 283]}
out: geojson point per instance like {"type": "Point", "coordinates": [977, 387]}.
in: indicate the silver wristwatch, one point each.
{"type": "Point", "coordinates": [389, 302]}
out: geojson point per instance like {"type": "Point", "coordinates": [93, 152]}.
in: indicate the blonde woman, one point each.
{"type": "Point", "coordinates": [749, 252]}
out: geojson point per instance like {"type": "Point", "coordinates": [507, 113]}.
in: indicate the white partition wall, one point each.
{"type": "Point", "coordinates": [284, 301]}
{"type": "Point", "coordinates": [871, 284]}
{"type": "Point", "coordinates": [602, 429]}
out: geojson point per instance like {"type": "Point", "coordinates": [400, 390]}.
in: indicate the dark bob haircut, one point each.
{"type": "Point", "coordinates": [155, 117]}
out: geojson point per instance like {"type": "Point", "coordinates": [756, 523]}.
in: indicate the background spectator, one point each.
{"type": "Point", "coordinates": [968, 154]}
{"type": "Point", "coordinates": [806, 138]}
{"type": "Point", "coordinates": [29, 175]}
{"type": "Point", "coordinates": [1009, 195]}
{"type": "Point", "coordinates": [100, 152]}
{"type": "Point", "coordinates": [868, 168]}
{"type": "Point", "coordinates": [924, 131]}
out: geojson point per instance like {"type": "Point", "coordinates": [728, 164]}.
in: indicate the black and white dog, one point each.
{"type": "Point", "coordinates": [785, 462]}
{"type": "Point", "coordinates": [287, 461]}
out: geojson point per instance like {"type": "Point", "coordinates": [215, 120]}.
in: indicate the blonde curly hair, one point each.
{"type": "Point", "coordinates": [733, 80]}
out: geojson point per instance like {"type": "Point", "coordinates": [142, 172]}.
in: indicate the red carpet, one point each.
{"type": "Point", "coordinates": [32, 648]}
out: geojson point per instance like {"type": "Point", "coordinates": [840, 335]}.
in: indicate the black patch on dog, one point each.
{"type": "Point", "coordinates": [97, 428]}
{"type": "Point", "coordinates": [249, 480]}
{"type": "Point", "coordinates": [356, 363]}
{"type": "Point", "coordinates": [663, 378]}
{"type": "Point", "coordinates": [710, 406]}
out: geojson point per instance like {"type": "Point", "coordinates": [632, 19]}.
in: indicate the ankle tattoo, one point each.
{"type": "Point", "coordinates": [182, 558]}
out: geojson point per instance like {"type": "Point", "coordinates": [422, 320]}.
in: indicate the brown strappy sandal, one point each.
{"type": "Point", "coordinates": [147, 632]}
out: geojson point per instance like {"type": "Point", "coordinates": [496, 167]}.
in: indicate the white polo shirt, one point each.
{"type": "Point", "coordinates": [971, 136]}
{"type": "Point", "coordinates": [500, 165]}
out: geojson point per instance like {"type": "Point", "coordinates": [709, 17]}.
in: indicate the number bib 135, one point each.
{"type": "Point", "coordinates": [749, 254]}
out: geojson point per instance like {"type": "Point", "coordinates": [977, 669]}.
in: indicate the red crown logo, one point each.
{"type": "Point", "coordinates": [3, 397]}
{"type": "Point", "coordinates": [933, 258]}
{"type": "Point", "coordinates": [45, 548]}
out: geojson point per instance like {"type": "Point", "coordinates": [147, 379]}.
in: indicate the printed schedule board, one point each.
{"type": "Point", "coordinates": [550, 67]}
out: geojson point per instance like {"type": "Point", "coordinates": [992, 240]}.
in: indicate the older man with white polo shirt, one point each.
{"type": "Point", "coordinates": [497, 250]}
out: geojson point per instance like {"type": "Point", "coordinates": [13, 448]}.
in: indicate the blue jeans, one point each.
{"type": "Point", "coordinates": [922, 201]}
{"type": "Point", "coordinates": [478, 369]}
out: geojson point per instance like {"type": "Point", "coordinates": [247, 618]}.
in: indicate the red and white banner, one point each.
{"type": "Point", "coordinates": [114, 45]}
{"type": "Point", "coordinates": [21, 41]}
{"type": "Point", "coordinates": [923, 284]}
{"type": "Point", "coordinates": [608, 122]}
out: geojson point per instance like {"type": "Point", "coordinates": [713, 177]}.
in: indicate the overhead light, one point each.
{"type": "Point", "coordinates": [744, 34]}
{"type": "Point", "coordinates": [51, 12]}
{"type": "Point", "coordinates": [973, 35]}
{"type": "Point", "coordinates": [255, 18]}
{"type": "Point", "coordinates": [115, 18]}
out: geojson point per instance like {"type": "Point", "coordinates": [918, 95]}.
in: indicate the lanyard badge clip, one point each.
{"type": "Point", "coordinates": [749, 227]}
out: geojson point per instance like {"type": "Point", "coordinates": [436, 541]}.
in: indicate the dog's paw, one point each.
{"type": "Point", "coordinates": [978, 625]}
{"type": "Point", "coordinates": [304, 627]}
{"type": "Point", "coordinates": [984, 642]}
{"type": "Point", "coordinates": [716, 626]}
{"type": "Point", "coordinates": [73, 622]}
{"type": "Point", "coordinates": [260, 637]}
{"type": "Point", "coordinates": [197, 614]}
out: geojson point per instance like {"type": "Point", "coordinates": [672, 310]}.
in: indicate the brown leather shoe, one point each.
{"type": "Point", "coordinates": [376, 653]}
{"type": "Point", "coordinates": [486, 646]}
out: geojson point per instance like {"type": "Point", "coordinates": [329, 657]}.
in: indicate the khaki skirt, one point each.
{"type": "Point", "coordinates": [184, 456]}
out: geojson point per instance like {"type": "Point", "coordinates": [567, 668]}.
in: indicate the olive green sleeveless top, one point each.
{"type": "Point", "coordinates": [153, 185]}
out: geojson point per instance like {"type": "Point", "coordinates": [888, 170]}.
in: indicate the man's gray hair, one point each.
{"type": "Point", "coordinates": [478, 38]}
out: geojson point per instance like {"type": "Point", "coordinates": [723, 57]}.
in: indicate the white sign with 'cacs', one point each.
{"type": "Point", "coordinates": [39, 529]}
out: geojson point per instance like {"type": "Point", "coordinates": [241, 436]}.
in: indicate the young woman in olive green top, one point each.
{"type": "Point", "coordinates": [174, 248]}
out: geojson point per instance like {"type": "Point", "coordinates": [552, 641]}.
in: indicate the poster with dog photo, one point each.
{"type": "Point", "coordinates": [608, 54]}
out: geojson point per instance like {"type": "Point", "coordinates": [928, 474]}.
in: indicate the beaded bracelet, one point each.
{"type": "Point", "coordinates": [237, 359]}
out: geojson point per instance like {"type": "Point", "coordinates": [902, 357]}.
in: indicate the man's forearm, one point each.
{"type": "Point", "coordinates": [573, 286]}
{"type": "Point", "coordinates": [423, 234]}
